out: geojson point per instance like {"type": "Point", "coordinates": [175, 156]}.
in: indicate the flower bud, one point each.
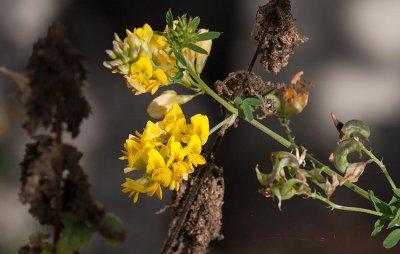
{"type": "Point", "coordinates": [163, 103]}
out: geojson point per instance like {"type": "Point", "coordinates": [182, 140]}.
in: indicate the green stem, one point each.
{"type": "Point", "coordinates": [281, 140]}
{"type": "Point", "coordinates": [211, 92]}
{"type": "Point", "coordinates": [285, 124]}
{"type": "Point", "coordinates": [380, 164]}
{"type": "Point", "coordinates": [331, 172]}
{"type": "Point", "coordinates": [216, 127]}
{"type": "Point", "coordinates": [345, 208]}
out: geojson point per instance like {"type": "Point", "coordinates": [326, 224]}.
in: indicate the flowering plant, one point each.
{"type": "Point", "coordinates": [169, 151]}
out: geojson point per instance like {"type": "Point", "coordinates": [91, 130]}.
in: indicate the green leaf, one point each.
{"type": "Point", "coordinates": [247, 111]}
{"type": "Point", "coordinates": [379, 206]}
{"type": "Point", "coordinates": [378, 226]}
{"type": "Point", "coordinates": [208, 36]}
{"type": "Point", "coordinates": [114, 224]}
{"type": "Point", "coordinates": [238, 100]}
{"type": "Point", "coordinates": [169, 19]}
{"type": "Point", "coordinates": [395, 220]}
{"type": "Point", "coordinates": [195, 23]}
{"type": "Point", "coordinates": [197, 49]}
{"type": "Point", "coordinates": [253, 101]}
{"type": "Point", "coordinates": [76, 234]}
{"type": "Point", "coordinates": [158, 33]}
{"type": "Point", "coordinates": [392, 239]}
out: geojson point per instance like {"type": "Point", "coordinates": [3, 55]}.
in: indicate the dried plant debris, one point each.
{"type": "Point", "coordinates": [203, 223]}
{"type": "Point", "coordinates": [39, 244]}
{"type": "Point", "coordinates": [44, 161]}
{"type": "Point", "coordinates": [275, 29]}
{"type": "Point", "coordinates": [38, 178]}
{"type": "Point", "coordinates": [56, 76]}
{"type": "Point", "coordinates": [246, 84]}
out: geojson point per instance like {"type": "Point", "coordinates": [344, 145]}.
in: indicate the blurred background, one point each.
{"type": "Point", "coordinates": [352, 57]}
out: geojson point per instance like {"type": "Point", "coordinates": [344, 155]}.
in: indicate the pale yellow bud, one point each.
{"type": "Point", "coordinates": [163, 103]}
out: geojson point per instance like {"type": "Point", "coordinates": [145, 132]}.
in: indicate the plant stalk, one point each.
{"type": "Point", "coordinates": [345, 208]}
{"type": "Point", "coordinates": [380, 165]}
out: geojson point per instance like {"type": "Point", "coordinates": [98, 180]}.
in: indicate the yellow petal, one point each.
{"type": "Point", "coordinates": [155, 161]}
{"type": "Point", "coordinates": [161, 77]}
{"type": "Point", "coordinates": [200, 126]}
{"type": "Point", "coordinates": [142, 65]}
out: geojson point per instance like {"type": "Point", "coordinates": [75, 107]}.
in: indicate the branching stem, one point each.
{"type": "Point", "coordinates": [345, 208]}
{"type": "Point", "coordinates": [281, 140]}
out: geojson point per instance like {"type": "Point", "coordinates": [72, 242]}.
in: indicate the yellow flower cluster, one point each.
{"type": "Point", "coordinates": [145, 60]}
{"type": "Point", "coordinates": [166, 152]}
{"type": "Point", "coordinates": [143, 76]}
{"type": "Point", "coordinates": [142, 57]}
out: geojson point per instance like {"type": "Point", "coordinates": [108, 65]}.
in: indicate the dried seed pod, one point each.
{"type": "Point", "coordinates": [355, 128]}
{"type": "Point", "coordinates": [343, 149]}
{"type": "Point", "coordinates": [275, 30]}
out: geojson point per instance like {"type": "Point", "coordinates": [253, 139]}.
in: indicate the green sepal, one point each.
{"type": "Point", "coordinates": [378, 226]}
{"type": "Point", "coordinates": [392, 239]}
{"type": "Point", "coordinates": [178, 76]}
{"type": "Point", "coordinates": [76, 234]}
{"type": "Point", "coordinates": [197, 49]}
{"type": "Point", "coordinates": [208, 36]}
{"type": "Point", "coordinates": [169, 19]}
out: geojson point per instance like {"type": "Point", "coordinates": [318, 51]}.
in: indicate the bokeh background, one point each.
{"type": "Point", "coordinates": [353, 58]}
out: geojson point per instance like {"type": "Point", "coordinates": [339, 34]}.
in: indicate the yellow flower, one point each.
{"type": "Point", "coordinates": [145, 33]}
{"type": "Point", "coordinates": [166, 152]}
{"type": "Point", "coordinates": [142, 57]}
{"type": "Point", "coordinates": [193, 150]}
{"type": "Point", "coordinates": [200, 126]}
{"type": "Point", "coordinates": [143, 78]}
